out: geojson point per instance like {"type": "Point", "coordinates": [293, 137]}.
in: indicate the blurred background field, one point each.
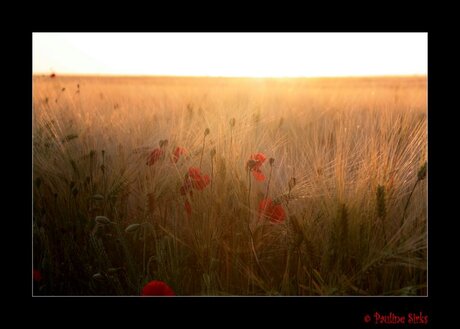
{"type": "Point", "coordinates": [348, 171]}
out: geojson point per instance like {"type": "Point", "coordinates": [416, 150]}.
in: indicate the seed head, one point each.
{"type": "Point", "coordinates": [292, 183]}
{"type": "Point", "coordinates": [422, 172]}
{"type": "Point", "coordinates": [381, 208]}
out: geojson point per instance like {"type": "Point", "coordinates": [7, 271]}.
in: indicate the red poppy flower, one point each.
{"type": "Point", "coordinates": [199, 181]}
{"type": "Point", "coordinates": [37, 275]}
{"type": "Point", "coordinates": [254, 165]}
{"type": "Point", "coordinates": [178, 152]}
{"type": "Point", "coordinates": [259, 157]}
{"type": "Point", "coordinates": [157, 288]}
{"type": "Point", "coordinates": [156, 155]}
{"type": "Point", "coordinates": [193, 180]}
{"type": "Point", "coordinates": [273, 211]}
{"type": "Point", "coordinates": [258, 175]}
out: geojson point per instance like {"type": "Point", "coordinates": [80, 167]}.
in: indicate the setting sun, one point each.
{"type": "Point", "coordinates": [231, 54]}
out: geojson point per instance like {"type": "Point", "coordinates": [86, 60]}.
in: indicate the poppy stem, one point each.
{"type": "Point", "coordinates": [407, 203]}
{"type": "Point", "coordinates": [231, 140]}
{"type": "Point", "coordinates": [206, 132]}
{"type": "Point", "coordinates": [268, 188]}
{"type": "Point", "coordinates": [249, 195]}
{"type": "Point", "coordinates": [251, 236]}
{"type": "Point", "coordinates": [249, 220]}
{"type": "Point", "coordinates": [202, 151]}
{"type": "Point", "coordinates": [104, 181]}
{"type": "Point", "coordinates": [268, 183]}
{"type": "Point", "coordinates": [212, 172]}
{"type": "Point", "coordinates": [144, 251]}
{"type": "Point", "coordinates": [232, 125]}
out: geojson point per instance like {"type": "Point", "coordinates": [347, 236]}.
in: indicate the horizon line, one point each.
{"type": "Point", "coordinates": [116, 75]}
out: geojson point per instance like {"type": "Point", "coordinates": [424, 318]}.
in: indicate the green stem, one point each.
{"type": "Point", "coordinates": [384, 231]}
{"type": "Point", "coordinates": [144, 252]}
{"type": "Point", "coordinates": [407, 203]}
{"type": "Point", "coordinates": [249, 196]}
{"type": "Point", "coordinates": [202, 150]}
{"type": "Point", "coordinates": [212, 172]}
{"type": "Point", "coordinates": [253, 248]}
{"type": "Point", "coordinates": [248, 223]}
{"type": "Point", "coordinates": [268, 183]}
{"type": "Point", "coordinates": [231, 140]}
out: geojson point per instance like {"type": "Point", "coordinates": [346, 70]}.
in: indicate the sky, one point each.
{"type": "Point", "coordinates": [231, 54]}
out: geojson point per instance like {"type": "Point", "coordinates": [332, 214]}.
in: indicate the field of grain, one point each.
{"type": "Point", "coordinates": [226, 186]}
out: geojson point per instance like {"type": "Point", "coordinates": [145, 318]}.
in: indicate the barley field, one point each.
{"type": "Point", "coordinates": [229, 186]}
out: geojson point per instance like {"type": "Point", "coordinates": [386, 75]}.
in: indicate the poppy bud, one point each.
{"type": "Point", "coordinates": [98, 197]}
{"type": "Point", "coordinates": [113, 270]}
{"type": "Point", "coordinates": [102, 220]}
{"type": "Point", "coordinates": [132, 228]}
{"type": "Point", "coordinates": [98, 276]}
{"type": "Point", "coordinates": [251, 164]}
{"type": "Point", "coordinates": [163, 143]}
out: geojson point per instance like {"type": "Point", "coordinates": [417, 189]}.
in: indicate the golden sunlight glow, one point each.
{"type": "Point", "coordinates": [231, 54]}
